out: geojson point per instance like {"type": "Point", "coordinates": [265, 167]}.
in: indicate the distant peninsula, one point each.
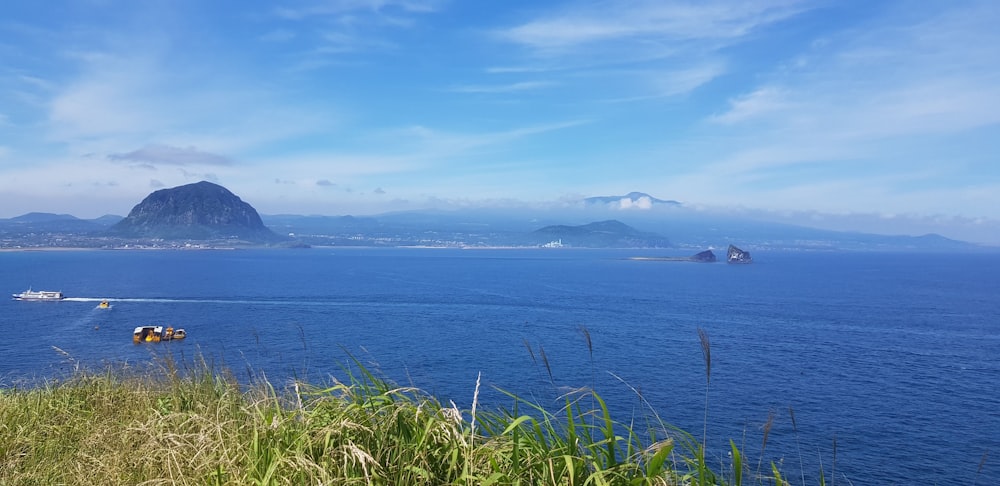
{"type": "Point", "coordinates": [707, 256]}
{"type": "Point", "coordinates": [600, 234]}
{"type": "Point", "coordinates": [199, 211]}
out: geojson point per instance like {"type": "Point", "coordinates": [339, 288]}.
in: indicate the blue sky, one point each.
{"type": "Point", "coordinates": [853, 114]}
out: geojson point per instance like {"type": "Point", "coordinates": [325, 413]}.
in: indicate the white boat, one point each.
{"type": "Point", "coordinates": [47, 295]}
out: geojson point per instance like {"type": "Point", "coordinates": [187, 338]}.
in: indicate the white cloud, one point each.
{"type": "Point", "coordinates": [112, 99]}
{"type": "Point", "coordinates": [638, 50]}
{"type": "Point", "coordinates": [640, 203]}
{"type": "Point", "coordinates": [504, 88]}
{"type": "Point", "coordinates": [764, 101]}
{"type": "Point", "coordinates": [647, 21]}
{"type": "Point", "coordinates": [437, 143]}
{"type": "Point", "coordinates": [924, 76]}
{"type": "Point", "coordinates": [341, 27]}
{"type": "Point", "coordinates": [887, 119]}
{"type": "Point", "coordinates": [117, 102]}
{"type": "Point", "coordinates": [169, 155]}
{"type": "Point", "coordinates": [340, 7]}
{"type": "Point", "coordinates": [682, 81]}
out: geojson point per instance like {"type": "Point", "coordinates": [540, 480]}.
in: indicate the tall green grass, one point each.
{"type": "Point", "coordinates": [194, 424]}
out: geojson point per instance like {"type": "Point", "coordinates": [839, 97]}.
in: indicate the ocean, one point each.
{"type": "Point", "coordinates": [890, 362]}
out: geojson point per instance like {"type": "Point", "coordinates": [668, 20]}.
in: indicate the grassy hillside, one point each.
{"type": "Point", "coordinates": [198, 426]}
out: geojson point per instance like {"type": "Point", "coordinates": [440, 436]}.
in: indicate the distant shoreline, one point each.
{"type": "Point", "coordinates": [50, 248]}
{"type": "Point", "coordinates": [668, 259]}
{"type": "Point", "coordinates": [87, 248]}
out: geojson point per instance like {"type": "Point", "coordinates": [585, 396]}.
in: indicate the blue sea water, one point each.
{"type": "Point", "coordinates": [890, 362]}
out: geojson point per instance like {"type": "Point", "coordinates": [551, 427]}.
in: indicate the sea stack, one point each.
{"type": "Point", "coordinates": [736, 255]}
{"type": "Point", "coordinates": [706, 256]}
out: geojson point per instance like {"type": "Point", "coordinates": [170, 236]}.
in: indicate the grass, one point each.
{"type": "Point", "coordinates": [199, 426]}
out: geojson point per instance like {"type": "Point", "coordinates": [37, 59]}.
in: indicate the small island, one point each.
{"type": "Point", "coordinates": [736, 255]}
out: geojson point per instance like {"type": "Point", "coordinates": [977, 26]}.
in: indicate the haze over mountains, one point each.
{"type": "Point", "coordinates": [207, 212]}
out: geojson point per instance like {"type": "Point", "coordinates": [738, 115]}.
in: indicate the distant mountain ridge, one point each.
{"type": "Point", "coordinates": [662, 225]}
{"type": "Point", "coordinates": [601, 234]}
{"type": "Point", "coordinates": [199, 211]}
{"type": "Point", "coordinates": [631, 200]}
{"type": "Point", "coordinates": [43, 218]}
{"type": "Point", "coordinates": [36, 222]}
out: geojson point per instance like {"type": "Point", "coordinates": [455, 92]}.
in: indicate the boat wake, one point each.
{"type": "Point", "coordinates": [207, 301]}
{"type": "Point", "coordinates": [160, 300]}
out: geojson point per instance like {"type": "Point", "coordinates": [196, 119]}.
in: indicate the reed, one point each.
{"type": "Point", "coordinates": [192, 424]}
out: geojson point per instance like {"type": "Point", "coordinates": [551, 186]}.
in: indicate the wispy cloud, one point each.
{"type": "Point", "coordinates": [909, 77]}
{"type": "Point", "coordinates": [637, 50]}
{"type": "Point", "coordinates": [341, 7]}
{"type": "Point", "coordinates": [764, 101]}
{"type": "Point", "coordinates": [504, 88]}
{"type": "Point", "coordinates": [879, 119]}
{"type": "Point", "coordinates": [666, 83]}
{"type": "Point", "coordinates": [773, 103]}
{"type": "Point", "coordinates": [127, 99]}
{"type": "Point", "coordinates": [656, 22]}
{"type": "Point", "coordinates": [339, 27]}
{"type": "Point", "coordinates": [167, 155]}
{"type": "Point", "coordinates": [437, 143]}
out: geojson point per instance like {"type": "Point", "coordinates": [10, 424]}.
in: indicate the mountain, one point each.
{"type": "Point", "coordinates": [31, 223]}
{"type": "Point", "coordinates": [108, 219]}
{"type": "Point", "coordinates": [322, 225]}
{"type": "Point", "coordinates": [685, 228]}
{"type": "Point", "coordinates": [705, 230]}
{"type": "Point", "coordinates": [601, 234]}
{"type": "Point", "coordinates": [208, 211]}
{"type": "Point", "coordinates": [199, 211]}
{"type": "Point", "coordinates": [34, 218]}
{"type": "Point", "coordinates": [630, 200]}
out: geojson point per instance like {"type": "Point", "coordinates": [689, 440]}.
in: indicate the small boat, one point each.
{"type": "Point", "coordinates": [104, 305]}
{"type": "Point", "coordinates": [155, 334]}
{"type": "Point", "coordinates": [43, 295]}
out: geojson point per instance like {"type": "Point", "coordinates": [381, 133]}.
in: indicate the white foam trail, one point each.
{"type": "Point", "coordinates": [215, 301]}
{"type": "Point", "coordinates": [159, 300]}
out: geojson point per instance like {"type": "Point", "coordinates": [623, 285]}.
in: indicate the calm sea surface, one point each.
{"type": "Point", "coordinates": [895, 358]}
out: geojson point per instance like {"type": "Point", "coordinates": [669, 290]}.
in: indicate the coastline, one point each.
{"type": "Point", "coordinates": [50, 248]}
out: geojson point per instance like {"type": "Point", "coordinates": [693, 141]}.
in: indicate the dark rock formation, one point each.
{"type": "Point", "coordinates": [602, 234]}
{"type": "Point", "coordinates": [200, 211]}
{"type": "Point", "coordinates": [736, 255]}
{"type": "Point", "coordinates": [704, 257]}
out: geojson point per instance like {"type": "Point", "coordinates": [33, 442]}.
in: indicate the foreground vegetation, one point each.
{"type": "Point", "coordinates": [201, 427]}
